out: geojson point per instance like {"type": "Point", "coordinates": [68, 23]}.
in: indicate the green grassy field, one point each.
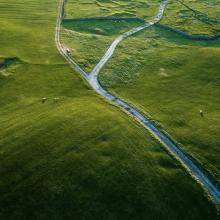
{"type": "Point", "coordinates": [165, 54]}
{"type": "Point", "coordinates": [89, 40]}
{"type": "Point", "coordinates": [171, 79]}
{"type": "Point", "coordinates": [77, 157]}
{"type": "Point", "coordinates": [120, 8]}
{"type": "Point", "coordinates": [193, 16]}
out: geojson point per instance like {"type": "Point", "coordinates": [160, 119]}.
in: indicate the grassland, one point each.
{"type": "Point", "coordinates": [93, 8]}
{"type": "Point", "coordinates": [193, 16]}
{"type": "Point", "coordinates": [89, 40]}
{"type": "Point", "coordinates": [171, 78]}
{"type": "Point", "coordinates": [77, 157]}
{"type": "Point", "coordinates": [163, 59]}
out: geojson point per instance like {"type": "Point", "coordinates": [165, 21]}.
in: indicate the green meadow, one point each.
{"type": "Point", "coordinates": [88, 40]}
{"type": "Point", "coordinates": [193, 16]}
{"type": "Point", "coordinates": [121, 8]}
{"type": "Point", "coordinates": [168, 77]}
{"type": "Point", "coordinates": [171, 79]}
{"type": "Point", "coordinates": [65, 153]}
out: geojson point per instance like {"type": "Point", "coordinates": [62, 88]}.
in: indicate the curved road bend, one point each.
{"type": "Point", "coordinates": [173, 148]}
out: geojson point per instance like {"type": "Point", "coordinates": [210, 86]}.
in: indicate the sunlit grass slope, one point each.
{"type": "Point", "coordinates": [194, 16]}
{"type": "Point", "coordinates": [171, 79]}
{"type": "Point", "coordinates": [88, 40]}
{"type": "Point", "coordinates": [92, 8]}
{"type": "Point", "coordinates": [76, 157]}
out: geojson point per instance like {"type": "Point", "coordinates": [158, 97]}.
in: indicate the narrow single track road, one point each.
{"type": "Point", "coordinates": [92, 79]}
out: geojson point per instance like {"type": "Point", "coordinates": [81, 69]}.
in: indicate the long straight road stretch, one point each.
{"type": "Point", "coordinates": [92, 79]}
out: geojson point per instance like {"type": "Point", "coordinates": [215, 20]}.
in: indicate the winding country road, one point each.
{"type": "Point", "coordinates": [92, 79]}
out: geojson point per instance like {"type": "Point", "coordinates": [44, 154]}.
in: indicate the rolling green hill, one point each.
{"type": "Point", "coordinates": [67, 154]}
{"type": "Point", "coordinates": [171, 79]}
{"type": "Point", "coordinates": [193, 16]}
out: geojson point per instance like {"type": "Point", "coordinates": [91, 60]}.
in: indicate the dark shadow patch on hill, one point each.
{"type": "Point", "coordinates": [9, 61]}
{"type": "Point", "coordinates": [7, 65]}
